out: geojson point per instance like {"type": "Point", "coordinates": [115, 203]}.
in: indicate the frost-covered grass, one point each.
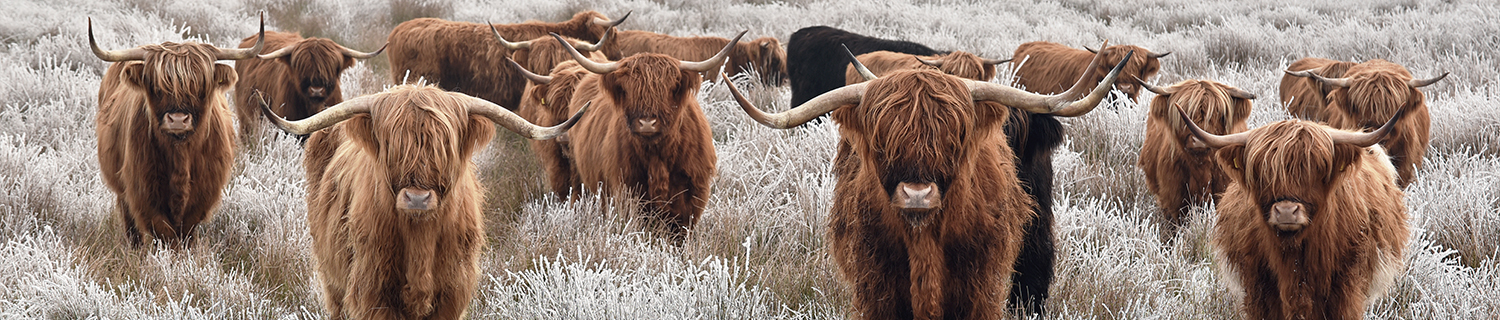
{"type": "Point", "coordinates": [758, 251]}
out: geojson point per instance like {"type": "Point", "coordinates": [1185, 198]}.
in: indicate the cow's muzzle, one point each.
{"type": "Point", "coordinates": [645, 127]}
{"type": "Point", "coordinates": [176, 123]}
{"type": "Point", "coordinates": [317, 92]}
{"type": "Point", "coordinates": [416, 199]}
{"type": "Point", "coordinates": [1288, 216]}
{"type": "Point", "coordinates": [917, 196]}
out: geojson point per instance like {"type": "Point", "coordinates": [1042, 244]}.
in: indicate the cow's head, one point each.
{"type": "Point", "coordinates": [422, 136]}
{"type": "Point", "coordinates": [315, 65]}
{"type": "Point", "coordinates": [768, 57]}
{"type": "Point", "coordinates": [1289, 167]}
{"type": "Point", "coordinates": [598, 25]}
{"type": "Point", "coordinates": [966, 65]}
{"type": "Point", "coordinates": [655, 92]}
{"type": "Point", "coordinates": [181, 81]}
{"type": "Point", "coordinates": [1218, 108]}
{"type": "Point", "coordinates": [542, 54]}
{"type": "Point", "coordinates": [915, 129]}
{"type": "Point", "coordinates": [1375, 89]}
{"type": "Point", "coordinates": [1141, 67]}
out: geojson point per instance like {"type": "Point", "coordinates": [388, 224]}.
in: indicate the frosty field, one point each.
{"type": "Point", "coordinates": [759, 250]}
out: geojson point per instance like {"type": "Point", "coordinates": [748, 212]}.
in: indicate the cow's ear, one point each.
{"type": "Point", "coordinates": [224, 76]}
{"type": "Point", "coordinates": [134, 74]}
{"type": "Point", "coordinates": [477, 135]}
{"type": "Point", "coordinates": [1232, 161]}
{"type": "Point", "coordinates": [1162, 109]}
{"type": "Point", "coordinates": [688, 83]}
{"type": "Point", "coordinates": [348, 62]}
{"type": "Point", "coordinates": [1345, 156]}
{"type": "Point", "coordinates": [362, 132]}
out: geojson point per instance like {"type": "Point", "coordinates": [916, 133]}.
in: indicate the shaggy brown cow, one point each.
{"type": "Point", "coordinates": [931, 221]}
{"type": "Point", "coordinates": [166, 135]}
{"type": "Point", "coordinates": [303, 79]}
{"type": "Point", "coordinates": [543, 53]}
{"type": "Point", "coordinates": [764, 55]}
{"type": "Point", "coordinates": [1180, 173]}
{"type": "Point", "coordinates": [649, 135]}
{"type": "Point", "coordinates": [1312, 226]}
{"type": "Point", "coordinates": [1372, 91]}
{"type": "Point", "coordinates": [1046, 67]}
{"type": "Point", "coordinates": [1305, 97]}
{"type": "Point", "coordinates": [392, 203]}
{"type": "Point", "coordinates": [547, 101]}
{"type": "Point", "coordinates": [958, 63]}
{"type": "Point", "coordinates": [462, 56]}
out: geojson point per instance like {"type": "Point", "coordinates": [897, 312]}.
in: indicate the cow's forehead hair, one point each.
{"type": "Point", "coordinates": [184, 71]}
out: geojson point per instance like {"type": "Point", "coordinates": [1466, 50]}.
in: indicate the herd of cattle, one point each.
{"type": "Point", "coordinates": [943, 202]}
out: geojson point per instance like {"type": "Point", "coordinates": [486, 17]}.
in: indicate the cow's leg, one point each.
{"type": "Point", "coordinates": [1034, 264]}
{"type": "Point", "coordinates": [161, 228]}
{"type": "Point", "coordinates": [128, 220]}
{"type": "Point", "coordinates": [459, 252]}
{"type": "Point", "coordinates": [1262, 297]}
{"type": "Point", "coordinates": [373, 267]}
{"type": "Point", "coordinates": [1171, 199]}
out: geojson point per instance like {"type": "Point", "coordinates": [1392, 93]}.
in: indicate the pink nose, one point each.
{"type": "Point", "coordinates": [646, 126]}
{"type": "Point", "coordinates": [177, 122]}
{"type": "Point", "coordinates": [917, 196]}
{"type": "Point", "coordinates": [416, 199]}
{"type": "Point", "coordinates": [317, 91]}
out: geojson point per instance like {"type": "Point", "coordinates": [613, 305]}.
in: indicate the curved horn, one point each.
{"type": "Point", "coordinates": [1209, 139]}
{"type": "Point", "coordinates": [1418, 83]}
{"type": "Point", "coordinates": [993, 61]}
{"type": "Point", "coordinates": [932, 63]}
{"type": "Point", "coordinates": [535, 78]}
{"type": "Point", "coordinates": [1338, 82]}
{"type": "Point", "coordinates": [1061, 104]}
{"type": "Point", "coordinates": [113, 56]}
{"type": "Point", "coordinates": [1157, 55]}
{"type": "Point", "coordinates": [824, 103]}
{"type": "Point", "coordinates": [1365, 139]}
{"type": "Point", "coordinates": [596, 45]}
{"type": "Point", "coordinates": [714, 62]}
{"type": "Point", "coordinates": [591, 65]}
{"type": "Point", "coordinates": [1158, 90]}
{"type": "Point", "coordinates": [278, 53]}
{"type": "Point", "coordinates": [247, 53]}
{"type": "Point", "coordinates": [509, 45]}
{"type": "Point", "coordinates": [616, 22]}
{"type": "Point", "coordinates": [362, 55]}
{"type": "Point", "coordinates": [863, 72]}
{"type": "Point", "coordinates": [1240, 93]}
{"type": "Point", "coordinates": [515, 123]}
{"type": "Point", "coordinates": [323, 119]}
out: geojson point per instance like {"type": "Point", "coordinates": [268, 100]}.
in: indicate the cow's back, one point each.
{"type": "Point", "coordinates": [1048, 68]}
{"type": "Point", "coordinates": [815, 61]}
{"type": "Point", "coordinates": [267, 76]}
{"type": "Point", "coordinates": [1306, 97]}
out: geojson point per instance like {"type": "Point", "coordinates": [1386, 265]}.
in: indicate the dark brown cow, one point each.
{"type": "Point", "coordinates": [1312, 226]}
{"type": "Point", "coordinates": [392, 202]}
{"type": "Point", "coordinates": [303, 79]}
{"type": "Point", "coordinates": [958, 63]}
{"type": "Point", "coordinates": [649, 135]}
{"type": "Point", "coordinates": [1046, 67]}
{"type": "Point", "coordinates": [1374, 90]}
{"type": "Point", "coordinates": [1180, 173]}
{"type": "Point", "coordinates": [931, 222]}
{"type": "Point", "coordinates": [764, 55]}
{"type": "Point", "coordinates": [547, 101]}
{"type": "Point", "coordinates": [166, 134]}
{"type": "Point", "coordinates": [1305, 97]}
{"type": "Point", "coordinates": [463, 56]}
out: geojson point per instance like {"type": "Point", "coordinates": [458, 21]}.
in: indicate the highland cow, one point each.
{"type": "Point", "coordinates": [815, 61]}
{"type": "Point", "coordinates": [547, 101]}
{"type": "Point", "coordinates": [1046, 67]}
{"type": "Point", "coordinates": [392, 202]}
{"type": "Point", "coordinates": [1372, 91]}
{"type": "Point", "coordinates": [166, 134]}
{"type": "Point", "coordinates": [763, 55]}
{"type": "Point", "coordinates": [1305, 97]}
{"type": "Point", "coordinates": [302, 79]}
{"type": "Point", "coordinates": [1178, 172]}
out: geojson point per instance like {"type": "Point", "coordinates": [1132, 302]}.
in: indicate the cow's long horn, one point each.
{"type": "Point", "coordinates": [515, 123]}
{"type": "Point", "coordinates": [113, 56]}
{"type": "Point", "coordinates": [363, 55]}
{"type": "Point", "coordinates": [1062, 104]}
{"type": "Point", "coordinates": [1155, 89]}
{"type": "Point", "coordinates": [1240, 93]}
{"type": "Point", "coordinates": [535, 78]}
{"type": "Point", "coordinates": [597, 45]}
{"type": "Point", "coordinates": [824, 103]}
{"type": "Point", "coordinates": [323, 119]}
{"type": "Point", "coordinates": [1158, 55]}
{"type": "Point", "coordinates": [616, 22]}
{"type": "Point", "coordinates": [1338, 82]}
{"type": "Point", "coordinates": [591, 65]}
{"type": "Point", "coordinates": [989, 61]}
{"type": "Point", "coordinates": [714, 62]}
{"type": "Point", "coordinates": [1418, 83]}
{"type": "Point", "coordinates": [278, 53]}
{"type": "Point", "coordinates": [247, 53]}
{"type": "Point", "coordinates": [1209, 139]}
{"type": "Point", "coordinates": [863, 72]}
{"type": "Point", "coordinates": [508, 44]}
{"type": "Point", "coordinates": [933, 63]}
{"type": "Point", "coordinates": [1365, 139]}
